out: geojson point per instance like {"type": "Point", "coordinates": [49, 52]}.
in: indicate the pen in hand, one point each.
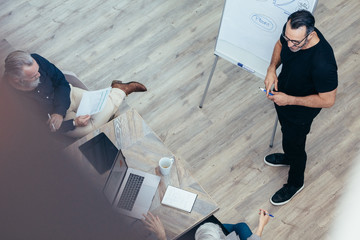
{"type": "Point", "coordinates": [264, 90]}
{"type": "Point", "coordinates": [267, 213]}
{"type": "Point", "coordinates": [53, 126]}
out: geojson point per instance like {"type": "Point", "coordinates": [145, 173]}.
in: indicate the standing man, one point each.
{"type": "Point", "coordinates": [307, 83]}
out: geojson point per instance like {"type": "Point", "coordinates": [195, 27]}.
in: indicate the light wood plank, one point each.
{"type": "Point", "coordinates": [168, 45]}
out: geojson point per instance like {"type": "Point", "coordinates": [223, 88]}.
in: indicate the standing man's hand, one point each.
{"type": "Point", "coordinates": [271, 77]}
{"type": "Point", "coordinates": [55, 121]}
{"type": "Point", "coordinates": [270, 80]}
{"type": "Point", "coordinates": [281, 99]}
{"type": "Point", "coordinates": [155, 225]}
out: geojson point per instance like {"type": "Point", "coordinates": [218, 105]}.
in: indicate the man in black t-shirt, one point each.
{"type": "Point", "coordinates": [307, 83]}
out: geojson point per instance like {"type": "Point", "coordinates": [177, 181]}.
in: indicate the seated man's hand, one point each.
{"type": "Point", "coordinates": [82, 121]}
{"type": "Point", "coordinates": [55, 121]}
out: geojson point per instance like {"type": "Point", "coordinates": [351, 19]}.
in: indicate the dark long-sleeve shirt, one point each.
{"type": "Point", "coordinates": [52, 94]}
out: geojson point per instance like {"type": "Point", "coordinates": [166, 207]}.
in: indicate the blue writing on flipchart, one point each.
{"type": "Point", "coordinates": [263, 22]}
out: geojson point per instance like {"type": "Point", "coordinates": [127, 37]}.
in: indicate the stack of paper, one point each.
{"type": "Point", "coordinates": [178, 198]}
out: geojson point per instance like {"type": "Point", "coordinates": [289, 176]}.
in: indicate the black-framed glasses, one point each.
{"type": "Point", "coordinates": [294, 42]}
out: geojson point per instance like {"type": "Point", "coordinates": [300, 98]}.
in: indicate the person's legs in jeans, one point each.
{"type": "Point", "coordinates": [241, 229]}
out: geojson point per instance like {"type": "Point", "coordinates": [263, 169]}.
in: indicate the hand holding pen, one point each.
{"type": "Point", "coordinates": [264, 217]}
{"type": "Point", "coordinates": [265, 212]}
{"type": "Point", "coordinates": [53, 129]}
{"type": "Point", "coordinates": [55, 121]}
{"type": "Point", "coordinates": [264, 90]}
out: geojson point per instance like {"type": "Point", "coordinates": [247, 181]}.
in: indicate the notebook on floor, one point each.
{"type": "Point", "coordinates": [130, 191]}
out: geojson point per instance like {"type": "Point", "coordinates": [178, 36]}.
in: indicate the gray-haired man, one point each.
{"type": "Point", "coordinates": [35, 79]}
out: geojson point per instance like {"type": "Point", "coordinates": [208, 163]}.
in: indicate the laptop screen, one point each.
{"type": "Point", "coordinates": [116, 176]}
{"type": "Point", "coordinates": [100, 152]}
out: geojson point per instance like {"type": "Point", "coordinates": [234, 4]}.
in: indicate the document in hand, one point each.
{"type": "Point", "coordinates": [93, 102]}
{"type": "Point", "coordinates": [178, 198]}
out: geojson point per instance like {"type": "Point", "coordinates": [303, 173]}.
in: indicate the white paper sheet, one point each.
{"type": "Point", "coordinates": [93, 102]}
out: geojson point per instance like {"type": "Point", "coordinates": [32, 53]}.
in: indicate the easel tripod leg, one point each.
{"type": "Point", "coordinates": [274, 132]}
{"type": "Point", "coordinates": [208, 82]}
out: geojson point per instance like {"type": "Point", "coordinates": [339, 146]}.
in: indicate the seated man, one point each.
{"type": "Point", "coordinates": [36, 80]}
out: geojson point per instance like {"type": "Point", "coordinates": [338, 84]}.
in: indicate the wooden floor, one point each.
{"type": "Point", "coordinates": [168, 46]}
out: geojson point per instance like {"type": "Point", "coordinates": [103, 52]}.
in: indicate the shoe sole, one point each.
{"type": "Point", "coordinates": [275, 165]}
{"type": "Point", "coordinates": [283, 203]}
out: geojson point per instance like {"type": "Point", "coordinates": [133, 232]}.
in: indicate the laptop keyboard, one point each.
{"type": "Point", "coordinates": [131, 190]}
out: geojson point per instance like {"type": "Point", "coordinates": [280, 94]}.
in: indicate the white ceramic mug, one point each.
{"type": "Point", "coordinates": [165, 164]}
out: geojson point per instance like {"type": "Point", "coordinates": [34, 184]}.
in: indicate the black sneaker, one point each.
{"type": "Point", "coordinates": [285, 194]}
{"type": "Point", "coordinates": [276, 160]}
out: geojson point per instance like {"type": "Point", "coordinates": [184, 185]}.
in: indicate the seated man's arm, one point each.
{"type": "Point", "coordinates": [66, 126]}
{"type": "Point", "coordinates": [61, 101]}
{"type": "Point", "coordinates": [61, 91]}
{"type": "Point", "coordinates": [61, 94]}
{"type": "Point", "coordinates": [79, 121]}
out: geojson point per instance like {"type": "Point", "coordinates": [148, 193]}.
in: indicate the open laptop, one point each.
{"type": "Point", "coordinates": [100, 152]}
{"type": "Point", "coordinates": [130, 191]}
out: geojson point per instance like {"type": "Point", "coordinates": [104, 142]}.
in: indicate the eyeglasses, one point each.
{"type": "Point", "coordinates": [294, 42]}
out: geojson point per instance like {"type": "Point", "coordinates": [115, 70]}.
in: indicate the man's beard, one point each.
{"type": "Point", "coordinates": [299, 48]}
{"type": "Point", "coordinates": [32, 84]}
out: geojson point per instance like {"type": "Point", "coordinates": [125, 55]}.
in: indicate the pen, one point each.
{"type": "Point", "coordinates": [267, 213]}
{"type": "Point", "coordinates": [264, 90]}
{"type": "Point", "coordinates": [51, 123]}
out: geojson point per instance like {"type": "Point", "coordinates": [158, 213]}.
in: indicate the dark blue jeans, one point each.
{"type": "Point", "coordinates": [241, 229]}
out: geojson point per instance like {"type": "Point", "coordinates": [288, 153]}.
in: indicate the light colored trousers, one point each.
{"type": "Point", "coordinates": [115, 98]}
